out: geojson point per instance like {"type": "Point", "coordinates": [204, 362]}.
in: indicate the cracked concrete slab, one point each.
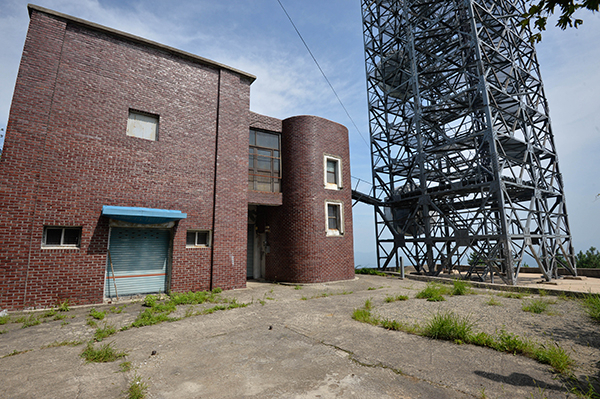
{"type": "Point", "coordinates": [299, 344]}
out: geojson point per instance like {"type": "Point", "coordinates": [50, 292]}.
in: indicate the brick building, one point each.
{"type": "Point", "coordinates": [134, 167]}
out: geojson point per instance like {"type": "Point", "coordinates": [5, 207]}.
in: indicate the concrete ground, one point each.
{"type": "Point", "coordinates": [289, 342]}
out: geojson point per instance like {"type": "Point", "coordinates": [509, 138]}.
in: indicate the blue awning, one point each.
{"type": "Point", "coordinates": [142, 215]}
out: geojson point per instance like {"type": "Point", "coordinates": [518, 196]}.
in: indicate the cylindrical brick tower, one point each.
{"type": "Point", "coordinates": [310, 235]}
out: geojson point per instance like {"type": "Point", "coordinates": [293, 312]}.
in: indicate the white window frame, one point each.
{"type": "Point", "coordinates": [339, 231]}
{"type": "Point", "coordinates": [62, 237]}
{"type": "Point", "coordinates": [142, 125]}
{"type": "Point", "coordinates": [196, 245]}
{"type": "Point", "coordinates": [338, 162]}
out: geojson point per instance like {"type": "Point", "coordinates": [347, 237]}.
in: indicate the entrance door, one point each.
{"type": "Point", "coordinates": [250, 254]}
{"type": "Point", "coordinates": [140, 258]}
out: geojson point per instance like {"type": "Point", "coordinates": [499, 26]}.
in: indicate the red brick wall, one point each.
{"type": "Point", "coordinates": [67, 154]}
{"type": "Point", "coordinates": [300, 250]}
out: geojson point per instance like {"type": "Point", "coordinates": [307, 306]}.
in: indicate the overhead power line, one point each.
{"type": "Point", "coordinates": [322, 73]}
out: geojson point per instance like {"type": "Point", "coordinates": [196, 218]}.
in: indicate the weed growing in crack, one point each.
{"type": "Point", "coordinates": [96, 314]}
{"type": "Point", "coordinates": [449, 326]}
{"type": "Point", "coordinates": [103, 332]}
{"type": "Point", "coordinates": [433, 292]}
{"type": "Point", "coordinates": [535, 306]}
{"type": "Point", "coordinates": [461, 287]}
{"type": "Point", "coordinates": [106, 353]}
{"type": "Point", "coordinates": [493, 302]}
{"type": "Point", "coordinates": [591, 303]}
{"type": "Point", "coordinates": [125, 367]}
{"type": "Point", "coordinates": [137, 388]}
{"type": "Point", "coordinates": [391, 298]}
{"type": "Point", "coordinates": [57, 344]}
{"type": "Point", "coordinates": [460, 329]}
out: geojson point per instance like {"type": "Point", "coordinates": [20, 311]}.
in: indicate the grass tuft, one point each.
{"type": "Point", "coordinates": [103, 332]}
{"type": "Point", "coordinates": [106, 353]}
{"type": "Point", "coordinates": [137, 388]}
{"type": "Point", "coordinates": [149, 317]}
{"type": "Point", "coordinates": [366, 270]}
{"type": "Point", "coordinates": [555, 356]}
{"type": "Point", "coordinates": [391, 298]}
{"type": "Point", "coordinates": [535, 306]}
{"type": "Point", "coordinates": [96, 314]}
{"type": "Point", "coordinates": [57, 344]}
{"type": "Point", "coordinates": [592, 306]}
{"type": "Point", "coordinates": [449, 326]}
{"type": "Point", "coordinates": [493, 302]}
{"type": "Point", "coordinates": [511, 295]}
{"type": "Point", "coordinates": [29, 321]}
{"type": "Point", "coordinates": [4, 319]}
{"type": "Point", "coordinates": [433, 292]}
{"type": "Point", "coordinates": [125, 367]}
{"type": "Point", "coordinates": [63, 306]}
{"type": "Point", "coordinates": [461, 287]}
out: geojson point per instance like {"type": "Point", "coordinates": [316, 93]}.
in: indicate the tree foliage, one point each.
{"type": "Point", "coordinates": [588, 260]}
{"type": "Point", "coordinates": [540, 10]}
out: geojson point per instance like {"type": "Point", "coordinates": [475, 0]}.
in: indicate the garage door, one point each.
{"type": "Point", "coordinates": [140, 258]}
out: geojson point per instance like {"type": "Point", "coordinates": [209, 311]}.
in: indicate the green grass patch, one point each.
{"type": "Point", "coordinates": [493, 302]}
{"type": "Point", "coordinates": [63, 306]}
{"type": "Point", "coordinates": [92, 323]}
{"type": "Point", "coordinates": [117, 310]}
{"type": "Point", "coordinates": [461, 287]}
{"type": "Point", "coordinates": [512, 295]}
{"type": "Point", "coordinates": [149, 317]}
{"type": "Point", "coordinates": [125, 367]}
{"type": "Point", "coordinates": [449, 326]}
{"type": "Point", "coordinates": [103, 332]}
{"type": "Point", "coordinates": [49, 313]}
{"type": "Point", "coordinates": [4, 319]}
{"type": "Point", "coordinates": [371, 289]}
{"type": "Point", "coordinates": [555, 356]}
{"type": "Point", "coordinates": [373, 272]}
{"type": "Point", "coordinates": [298, 287]}
{"type": "Point", "coordinates": [434, 292]}
{"type": "Point", "coordinates": [59, 317]}
{"type": "Point", "coordinates": [96, 314]}
{"type": "Point", "coordinates": [57, 344]}
{"type": "Point", "coordinates": [592, 306]}
{"type": "Point", "coordinates": [535, 306]}
{"type": "Point", "coordinates": [459, 329]}
{"type": "Point", "coordinates": [16, 352]}
{"type": "Point", "coordinates": [137, 388]}
{"type": "Point", "coordinates": [391, 298]}
{"type": "Point", "coordinates": [106, 353]}
{"type": "Point", "coordinates": [29, 321]}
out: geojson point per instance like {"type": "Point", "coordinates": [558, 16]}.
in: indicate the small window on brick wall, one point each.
{"type": "Point", "coordinates": [68, 237]}
{"type": "Point", "coordinates": [142, 125]}
{"type": "Point", "coordinates": [198, 238]}
{"type": "Point", "coordinates": [335, 218]}
{"type": "Point", "coordinates": [333, 172]}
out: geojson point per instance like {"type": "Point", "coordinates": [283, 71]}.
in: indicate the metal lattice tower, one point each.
{"type": "Point", "coordinates": [462, 150]}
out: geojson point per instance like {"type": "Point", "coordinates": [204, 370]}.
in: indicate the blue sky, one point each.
{"type": "Point", "coordinates": [256, 36]}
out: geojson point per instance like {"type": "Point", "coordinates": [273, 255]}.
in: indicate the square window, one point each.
{"type": "Point", "coordinates": [198, 238]}
{"type": "Point", "coordinates": [142, 125]}
{"type": "Point", "coordinates": [335, 221]}
{"type": "Point", "coordinates": [61, 237]}
{"type": "Point", "coordinates": [333, 172]}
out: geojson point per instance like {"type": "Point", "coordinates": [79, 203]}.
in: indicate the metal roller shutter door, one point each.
{"type": "Point", "coordinates": [140, 258]}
